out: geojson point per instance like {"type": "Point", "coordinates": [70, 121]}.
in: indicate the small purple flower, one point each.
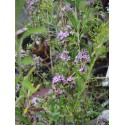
{"type": "Point", "coordinates": [70, 79]}
{"type": "Point", "coordinates": [30, 5]}
{"type": "Point", "coordinates": [108, 10]}
{"type": "Point", "coordinates": [53, 87]}
{"type": "Point", "coordinates": [102, 15]}
{"type": "Point", "coordinates": [76, 60]}
{"type": "Point", "coordinates": [87, 59]}
{"type": "Point", "coordinates": [57, 100]}
{"type": "Point", "coordinates": [83, 55]}
{"type": "Point", "coordinates": [59, 92]}
{"type": "Point", "coordinates": [71, 86]}
{"type": "Point", "coordinates": [102, 123]}
{"type": "Point", "coordinates": [18, 87]}
{"type": "Point", "coordinates": [22, 53]}
{"type": "Point", "coordinates": [38, 42]}
{"type": "Point", "coordinates": [64, 55]}
{"type": "Point", "coordinates": [34, 117]}
{"type": "Point", "coordinates": [67, 8]}
{"type": "Point", "coordinates": [65, 34]}
{"type": "Point", "coordinates": [57, 79]}
{"type": "Point", "coordinates": [61, 35]}
{"type": "Point", "coordinates": [38, 116]}
{"type": "Point", "coordinates": [34, 101]}
{"type": "Point", "coordinates": [86, 52]}
{"type": "Point", "coordinates": [37, 60]}
{"type": "Point", "coordinates": [69, 27]}
{"type": "Point", "coordinates": [83, 69]}
{"type": "Point", "coordinates": [71, 32]}
{"type": "Point", "coordinates": [80, 55]}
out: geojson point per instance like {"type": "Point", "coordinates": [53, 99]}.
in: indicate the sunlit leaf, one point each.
{"type": "Point", "coordinates": [26, 110]}
{"type": "Point", "coordinates": [27, 61]}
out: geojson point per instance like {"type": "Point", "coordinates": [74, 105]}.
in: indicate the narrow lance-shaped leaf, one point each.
{"type": "Point", "coordinates": [23, 119]}
{"type": "Point", "coordinates": [78, 73]}
{"type": "Point", "coordinates": [73, 20]}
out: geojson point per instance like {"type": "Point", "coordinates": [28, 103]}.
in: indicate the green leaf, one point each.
{"type": "Point", "coordinates": [27, 61]}
{"type": "Point", "coordinates": [31, 31]}
{"type": "Point", "coordinates": [19, 6]}
{"type": "Point", "coordinates": [18, 99]}
{"type": "Point", "coordinates": [21, 94]}
{"type": "Point", "coordinates": [80, 86]}
{"type": "Point", "coordinates": [18, 110]}
{"type": "Point", "coordinates": [22, 118]}
{"type": "Point", "coordinates": [73, 20]}
{"type": "Point", "coordinates": [87, 29]}
{"type": "Point", "coordinates": [42, 113]}
{"type": "Point", "coordinates": [37, 87]}
{"type": "Point", "coordinates": [69, 1]}
{"type": "Point", "coordinates": [40, 123]}
{"type": "Point", "coordinates": [28, 85]}
{"type": "Point", "coordinates": [26, 110]}
{"type": "Point", "coordinates": [77, 3]}
{"type": "Point", "coordinates": [17, 79]}
{"type": "Point", "coordinates": [78, 73]}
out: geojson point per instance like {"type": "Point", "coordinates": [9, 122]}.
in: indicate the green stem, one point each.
{"type": "Point", "coordinates": [64, 121]}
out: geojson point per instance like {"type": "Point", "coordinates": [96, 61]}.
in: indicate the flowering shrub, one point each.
{"type": "Point", "coordinates": [64, 26]}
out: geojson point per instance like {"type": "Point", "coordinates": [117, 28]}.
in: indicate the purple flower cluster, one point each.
{"type": "Point", "coordinates": [82, 55]}
{"type": "Point", "coordinates": [53, 87]}
{"type": "Point", "coordinates": [31, 3]}
{"type": "Point", "coordinates": [37, 60]}
{"type": "Point", "coordinates": [70, 79]}
{"type": "Point", "coordinates": [22, 53]}
{"type": "Point", "coordinates": [39, 117]}
{"type": "Point", "coordinates": [103, 122]}
{"type": "Point", "coordinates": [61, 35]}
{"type": "Point", "coordinates": [64, 55]}
{"type": "Point", "coordinates": [57, 79]}
{"type": "Point", "coordinates": [72, 85]}
{"type": "Point", "coordinates": [65, 32]}
{"type": "Point", "coordinates": [67, 8]}
{"type": "Point", "coordinates": [34, 101]}
{"type": "Point", "coordinates": [18, 87]}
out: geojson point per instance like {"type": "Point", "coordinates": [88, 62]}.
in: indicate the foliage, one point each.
{"type": "Point", "coordinates": [65, 25]}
